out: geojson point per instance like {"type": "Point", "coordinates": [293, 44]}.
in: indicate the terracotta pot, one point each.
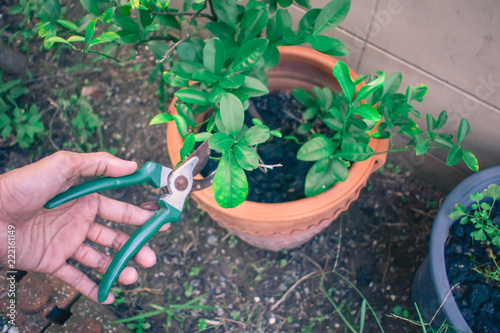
{"type": "Point", "coordinates": [277, 226]}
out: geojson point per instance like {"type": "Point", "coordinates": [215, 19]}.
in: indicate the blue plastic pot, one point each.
{"type": "Point", "coordinates": [431, 285]}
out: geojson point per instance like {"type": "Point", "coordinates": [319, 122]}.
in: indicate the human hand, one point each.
{"type": "Point", "coordinates": [45, 239]}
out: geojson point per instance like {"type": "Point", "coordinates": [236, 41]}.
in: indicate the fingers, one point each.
{"type": "Point", "coordinates": [80, 282]}
{"type": "Point", "coordinates": [115, 239]}
{"type": "Point", "coordinates": [121, 212]}
{"type": "Point", "coordinates": [92, 258]}
{"type": "Point", "coordinates": [94, 164]}
{"type": "Point", "coordinates": [124, 213]}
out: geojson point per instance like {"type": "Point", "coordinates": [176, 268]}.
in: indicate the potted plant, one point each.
{"type": "Point", "coordinates": [222, 54]}
{"type": "Point", "coordinates": [464, 252]}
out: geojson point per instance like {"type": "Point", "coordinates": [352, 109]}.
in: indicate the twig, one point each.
{"type": "Point", "coordinates": [183, 14]}
{"type": "Point", "coordinates": [291, 289]}
{"type": "Point", "coordinates": [388, 263]}
{"type": "Point", "coordinates": [54, 104]}
{"type": "Point", "coordinates": [187, 33]}
{"type": "Point", "coordinates": [148, 290]}
{"type": "Point", "coordinates": [270, 166]}
{"type": "Point", "coordinates": [444, 301]}
{"type": "Point", "coordinates": [338, 247]}
{"type": "Point", "coordinates": [232, 321]}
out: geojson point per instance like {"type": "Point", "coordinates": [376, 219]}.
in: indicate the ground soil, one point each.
{"type": "Point", "coordinates": [377, 245]}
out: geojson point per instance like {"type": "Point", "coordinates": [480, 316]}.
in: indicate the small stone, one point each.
{"type": "Point", "coordinates": [272, 321]}
{"type": "Point", "coordinates": [212, 240]}
{"type": "Point", "coordinates": [256, 299]}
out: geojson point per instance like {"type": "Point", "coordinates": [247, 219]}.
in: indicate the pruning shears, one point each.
{"type": "Point", "coordinates": [179, 182]}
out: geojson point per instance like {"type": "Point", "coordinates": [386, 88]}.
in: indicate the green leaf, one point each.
{"type": "Point", "coordinates": [188, 146]}
{"type": "Point", "coordinates": [74, 38]}
{"type": "Point", "coordinates": [478, 235]}
{"type": "Point", "coordinates": [304, 97]}
{"type": "Point", "coordinates": [191, 95]}
{"type": "Point", "coordinates": [367, 112]}
{"type": "Point", "coordinates": [431, 122]}
{"type": "Point", "coordinates": [340, 170]}
{"type": "Point", "coordinates": [342, 74]}
{"type": "Point", "coordinates": [392, 84]}
{"type": "Point", "coordinates": [59, 40]}
{"type": "Point", "coordinates": [146, 18]}
{"type": "Point", "coordinates": [253, 87]}
{"type": "Point", "coordinates": [315, 149]}
{"type": "Point", "coordinates": [421, 147]}
{"type": "Point", "coordinates": [233, 82]}
{"type": "Point", "coordinates": [355, 152]}
{"type": "Point", "coordinates": [204, 75]}
{"type": "Point", "coordinates": [91, 6]}
{"type": "Point", "coordinates": [214, 55]}
{"type": "Point", "coordinates": [463, 130]}
{"type": "Point", "coordinates": [285, 3]}
{"type": "Point", "coordinates": [304, 3]}
{"type": "Point", "coordinates": [107, 15]}
{"type": "Point", "coordinates": [246, 157]}
{"type": "Point", "coordinates": [185, 112]}
{"type": "Point", "coordinates": [309, 113]}
{"type": "Point", "coordinates": [476, 196]}
{"type": "Point", "coordinates": [493, 192]}
{"type": "Point", "coordinates": [332, 14]}
{"type": "Point", "coordinates": [89, 31]}
{"type": "Point", "coordinates": [226, 11]}
{"type": "Point", "coordinates": [106, 37]}
{"type": "Point", "coordinates": [232, 113]}
{"type": "Point", "coordinates": [68, 24]}
{"type": "Point", "coordinates": [443, 140]}
{"type": "Point", "coordinates": [442, 119]}
{"type": "Point", "coordinates": [202, 136]}
{"type": "Point", "coordinates": [328, 45]}
{"type": "Point", "coordinates": [249, 54]}
{"type": "Point", "coordinates": [181, 125]}
{"type": "Point", "coordinates": [252, 23]}
{"type": "Point", "coordinates": [230, 186]}
{"type": "Point", "coordinates": [324, 96]}
{"type": "Point", "coordinates": [458, 212]}
{"type": "Point", "coordinates": [128, 24]}
{"type": "Point", "coordinates": [318, 182]}
{"type": "Point", "coordinates": [371, 87]}
{"type": "Point", "coordinates": [470, 160]}
{"type": "Point", "coordinates": [221, 142]}
{"type": "Point", "coordinates": [161, 118]}
{"type": "Point", "coordinates": [454, 156]}
{"type": "Point", "coordinates": [255, 135]}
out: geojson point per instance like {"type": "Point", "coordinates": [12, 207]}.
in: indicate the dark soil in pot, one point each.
{"type": "Point", "coordinates": [280, 111]}
{"type": "Point", "coordinates": [477, 297]}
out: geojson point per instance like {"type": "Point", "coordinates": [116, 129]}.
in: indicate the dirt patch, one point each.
{"type": "Point", "coordinates": [377, 245]}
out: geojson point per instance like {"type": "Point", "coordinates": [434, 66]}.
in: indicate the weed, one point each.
{"type": "Point", "coordinates": [23, 124]}
{"type": "Point", "coordinates": [194, 271]}
{"type": "Point", "coordinates": [232, 241]}
{"type": "Point", "coordinates": [485, 229]}
{"type": "Point", "coordinates": [140, 326]}
{"type": "Point", "coordinates": [171, 310]}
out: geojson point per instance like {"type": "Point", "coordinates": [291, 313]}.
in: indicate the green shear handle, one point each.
{"type": "Point", "coordinates": [150, 172]}
{"type": "Point", "coordinates": [166, 214]}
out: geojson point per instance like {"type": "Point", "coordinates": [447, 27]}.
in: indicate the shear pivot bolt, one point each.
{"type": "Point", "coordinates": [181, 183]}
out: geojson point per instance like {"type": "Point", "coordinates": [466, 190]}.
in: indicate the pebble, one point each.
{"type": "Point", "coordinates": [256, 299]}
{"type": "Point", "coordinates": [212, 240]}
{"type": "Point", "coordinates": [272, 321]}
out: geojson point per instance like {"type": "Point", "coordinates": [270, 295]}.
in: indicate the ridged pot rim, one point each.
{"type": "Point", "coordinates": [358, 172]}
